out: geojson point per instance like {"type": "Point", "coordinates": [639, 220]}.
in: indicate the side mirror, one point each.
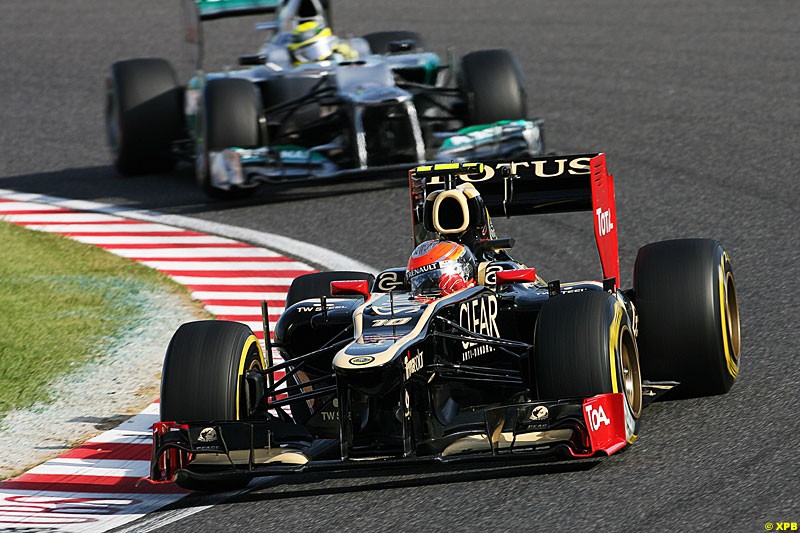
{"type": "Point", "coordinates": [405, 45]}
{"type": "Point", "coordinates": [350, 287]}
{"type": "Point", "coordinates": [520, 275]}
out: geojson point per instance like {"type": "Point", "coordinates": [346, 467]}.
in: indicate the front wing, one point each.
{"type": "Point", "coordinates": [535, 431]}
{"type": "Point", "coordinates": [246, 167]}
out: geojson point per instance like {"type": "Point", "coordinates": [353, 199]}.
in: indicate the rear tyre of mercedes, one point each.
{"type": "Point", "coordinates": [492, 87]}
{"type": "Point", "coordinates": [583, 346]}
{"type": "Point", "coordinates": [143, 115]}
{"type": "Point", "coordinates": [689, 328]}
{"type": "Point", "coordinates": [203, 380]}
{"type": "Point", "coordinates": [230, 116]}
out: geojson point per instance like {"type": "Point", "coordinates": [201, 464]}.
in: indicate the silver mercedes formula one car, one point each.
{"type": "Point", "coordinates": [464, 354]}
{"type": "Point", "coordinates": [309, 105]}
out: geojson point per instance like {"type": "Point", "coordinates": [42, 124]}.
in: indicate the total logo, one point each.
{"type": "Point", "coordinates": [597, 417]}
{"type": "Point", "coordinates": [604, 224]}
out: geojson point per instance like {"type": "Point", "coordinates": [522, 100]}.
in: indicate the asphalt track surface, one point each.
{"type": "Point", "coordinates": [697, 106]}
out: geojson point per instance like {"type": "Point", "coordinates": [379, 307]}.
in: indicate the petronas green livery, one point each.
{"type": "Point", "coordinates": [309, 105]}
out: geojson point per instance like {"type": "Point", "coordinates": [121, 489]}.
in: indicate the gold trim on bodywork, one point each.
{"type": "Point", "coordinates": [342, 358]}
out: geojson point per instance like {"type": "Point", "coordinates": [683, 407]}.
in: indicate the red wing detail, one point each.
{"type": "Point", "coordinates": [604, 211]}
{"type": "Point", "coordinates": [604, 416]}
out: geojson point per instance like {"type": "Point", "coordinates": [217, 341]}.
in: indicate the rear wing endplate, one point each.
{"type": "Point", "coordinates": [551, 184]}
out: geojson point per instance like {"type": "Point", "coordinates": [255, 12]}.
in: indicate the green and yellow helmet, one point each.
{"type": "Point", "coordinates": [312, 41]}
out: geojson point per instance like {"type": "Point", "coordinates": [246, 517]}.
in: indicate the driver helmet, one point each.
{"type": "Point", "coordinates": [438, 268]}
{"type": "Point", "coordinates": [312, 41]}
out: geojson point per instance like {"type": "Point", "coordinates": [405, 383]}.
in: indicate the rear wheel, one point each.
{"type": "Point", "coordinates": [491, 82]}
{"type": "Point", "coordinates": [143, 115]}
{"type": "Point", "coordinates": [230, 117]}
{"type": "Point", "coordinates": [584, 346]}
{"type": "Point", "coordinates": [688, 315]}
{"type": "Point", "coordinates": [202, 379]}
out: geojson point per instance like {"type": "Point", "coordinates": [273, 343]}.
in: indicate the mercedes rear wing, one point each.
{"type": "Point", "coordinates": [550, 184]}
{"type": "Point", "coordinates": [289, 13]}
{"type": "Point", "coordinates": [217, 9]}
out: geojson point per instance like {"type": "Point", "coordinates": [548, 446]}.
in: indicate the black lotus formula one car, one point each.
{"type": "Point", "coordinates": [385, 105]}
{"type": "Point", "coordinates": [512, 367]}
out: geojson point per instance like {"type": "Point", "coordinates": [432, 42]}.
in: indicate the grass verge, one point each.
{"type": "Point", "coordinates": [61, 302]}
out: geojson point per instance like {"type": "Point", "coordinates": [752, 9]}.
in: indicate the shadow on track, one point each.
{"type": "Point", "coordinates": [176, 192]}
{"type": "Point", "coordinates": [302, 485]}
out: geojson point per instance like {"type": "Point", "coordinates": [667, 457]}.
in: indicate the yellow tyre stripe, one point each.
{"type": "Point", "coordinates": [733, 367]}
{"type": "Point", "coordinates": [242, 360]}
{"type": "Point", "coordinates": [613, 343]}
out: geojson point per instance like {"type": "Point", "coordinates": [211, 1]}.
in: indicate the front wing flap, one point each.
{"type": "Point", "coordinates": [533, 431]}
{"type": "Point", "coordinates": [246, 167]}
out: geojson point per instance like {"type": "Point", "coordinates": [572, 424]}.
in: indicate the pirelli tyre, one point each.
{"type": "Point", "coordinates": [584, 345]}
{"type": "Point", "coordinates": [379, 41]}
{"type": "Point", "coordinates": [492, 87]}
{"type": "Point", "coordinates": [202, 379]}
{"type": "Point", "coordinates": [230, 116]}
{"type": "Point", "coordinates": [143, 115]}
{"type": "Point", "coordinates": [689, 328]}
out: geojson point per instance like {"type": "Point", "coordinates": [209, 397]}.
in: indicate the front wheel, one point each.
{"type": "Point", "coordinates": [583, 346]}
{"type": "Point", "coordinates": [203, 369]}
{"type": "Point", "coordinates": [203, 380]}
{"type": "Point", "coordinates": [230, 117]}
{"type": "Point", "coordinates": [688, 315]}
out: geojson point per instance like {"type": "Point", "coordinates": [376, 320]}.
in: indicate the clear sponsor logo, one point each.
{"type": "Point", "coordinates": [361, 360]}
{"type": "Point", "coordinates": [479, 316]}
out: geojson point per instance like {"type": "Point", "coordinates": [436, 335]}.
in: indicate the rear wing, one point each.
{"type": "Point", "coordinates": [288, 14]}
{"type": "Point", "coordinates": [217, 9]}
{"type": "Point", "coordinates": [551, 184]}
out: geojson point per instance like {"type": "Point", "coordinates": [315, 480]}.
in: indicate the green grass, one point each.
{"type": "Point", "coordinates": [61, 302]}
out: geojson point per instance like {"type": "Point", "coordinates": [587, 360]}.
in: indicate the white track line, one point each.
{"type": "Point", "coordinates": [149, 241]}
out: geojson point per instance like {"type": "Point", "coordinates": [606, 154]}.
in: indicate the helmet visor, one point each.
{"type": "Point", "coordinates": [315, 51]}
{"type": "Point", "coordinates": [440, 279]}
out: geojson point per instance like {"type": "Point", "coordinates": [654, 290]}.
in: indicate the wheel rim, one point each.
{"type": "Point", "coordinates": [254, 355]}
{"type": "Point", "coordinates": [631, 375]}
{"type": "Point", "coordinates": [732, 316]}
